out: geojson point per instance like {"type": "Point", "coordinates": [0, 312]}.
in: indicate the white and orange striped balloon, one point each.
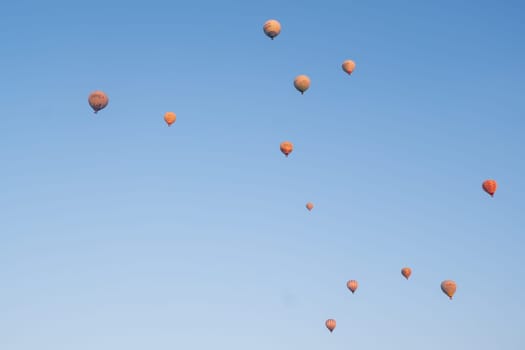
{"type": "Point", "coordinates": [352, 285]}
{"type": "Point", "coordinates": [330, 324]}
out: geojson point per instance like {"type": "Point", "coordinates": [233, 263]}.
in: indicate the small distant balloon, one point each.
{"type": "Point", "coordinates": [286, 148]}
{"type": "Point", "coordinates": [309, 205]}
{"type": "Point", "coordinates": [272, 28]}
{"type": "Point", "coordinates": [170, 118]}
{"type": "Point", "coordinates": [348, 66]}
{"type": "Point", "coordinates": [352, 285]}
{"type": "Point", "coordinates": [330, 324]}
{"type": "Point", "coordinates": [302, 83]}
{"type": "Point", "coordinates": [490, 186]}
{"type": "Point", "coordinates": [406, 272]}
{"type": "Point", "coordinates": [449, 288]}
{"type": "Point", "coordinates": [98, 100]}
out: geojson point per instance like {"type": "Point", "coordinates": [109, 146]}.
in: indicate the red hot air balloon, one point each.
{"type": "Point", "coordinates": [490, 186]}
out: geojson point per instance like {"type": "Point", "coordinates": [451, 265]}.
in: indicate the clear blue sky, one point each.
{"type": "Point", "coordinates": [117, 232]}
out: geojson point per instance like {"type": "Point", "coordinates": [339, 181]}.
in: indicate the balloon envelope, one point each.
{"type": "Point", "coordinates": [272, 28]}
{"type": "Point", "coordinates": [330, 324]}
{"type": "Point", "coordinates": [309, 206]}
{"type": "Point", "coordinates": [352, 285]}
{"type": "Point", "coordinates": [406, 272]}
{"type": "Point", "coordinates": [286, 147]}
{"type": "Point", "coordinates": [302, 83]}
{"type": "Point", "coordinates": [98, 100]}
{"type": "Point", "coordinates": [170, 118]}
{"type": "Point", "coordinates": [348, 66]}
{"type": "Point", "coordinates": [490, 186]}
{"type": "Point", "coordinates": [449, 288]}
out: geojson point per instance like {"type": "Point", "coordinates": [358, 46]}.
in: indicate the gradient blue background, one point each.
{"type": "Point", "coordinates": [117, 232]}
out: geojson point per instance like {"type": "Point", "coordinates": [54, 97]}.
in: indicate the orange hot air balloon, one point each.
{"type": "Point", "coordinates": [170, 118]}
{"type": "Point", "coordinates": [348, 66]}
{"type": "Point", "coordinates": [309, 205]}
{"type": "Point", "coordinates": [286, 148]}
{"type": "Point", "coordinates": [98, 100]}
{"type": "Point", "coordinates": [272, 28]}
{"type": "Point", "coordinates": [330, 324]}
{"type": "Point", "coordinates": [302, 83]}
{"type": "Point", "coordinates": [449, 288]}
{"type": "Point", "coordinates": [490, 186]}
{"type": "Point", "coordinates": [406, 272]}
{"type": "Point", "coordinates": [352, 285]}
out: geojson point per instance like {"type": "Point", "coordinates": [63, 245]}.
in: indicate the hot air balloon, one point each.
{"type": "Point", "coordinates": [490, 187]}
{"type": "Point", "coordinates": [449, 288]}
{"type": "Point", "coordinates": [352, 285]}
{"type": "Point", "coordinates": [348, 66]}
{"type": "Point", "coordinates": [98, 100]}
{"type": "Point", "coordinates": [330, 324]}
{"type": "Point", "coordinates": [286, 148]}
{"type": "Point", "coordinates": [170, 118]}
{"type": "Point", "coordinates": [309, 205]}
{"type": "Point", "coordinates": [302, 83]}
{"type": "Point", "coordinates": [272, 28]}
{"type": "Point", "coordinates": [406, 272]}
